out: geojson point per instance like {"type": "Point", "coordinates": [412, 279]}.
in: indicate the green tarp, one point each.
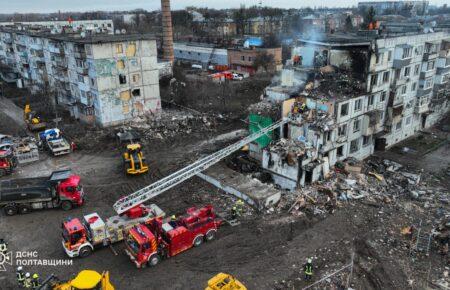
{"type": "Point", "coordinates": [256, 123]}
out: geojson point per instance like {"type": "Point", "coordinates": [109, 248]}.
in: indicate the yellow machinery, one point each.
{"type": "Point", "coordinates": [87, 280]}
{"type": "Point", "coordinates": [34, 123]}
{"type": "Point", "coordinates": [224, 281]}
{"type": "Point", "coordinates": [134, 160]}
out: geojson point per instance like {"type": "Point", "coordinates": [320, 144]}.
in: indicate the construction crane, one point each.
{"type": "Point", "coordinates": [139, 197]}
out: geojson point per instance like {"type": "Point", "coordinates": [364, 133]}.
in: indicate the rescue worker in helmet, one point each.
{"type": "Point", "coordinates": [234, 213]}
{"type": "Point", "coordinates": [27, 282]}
{"type": "Point", "coordinates": [35, 283]}
{"type": "Point", "coordinates": [20, 276]}
{"type": "Point", "coordinates": [173, 221]}
{"type": "Point", "coordinates": [308, 270]}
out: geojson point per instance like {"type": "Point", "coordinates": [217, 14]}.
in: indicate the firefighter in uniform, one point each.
{"type": "Point", "coordinates": [27, 282]}
{"type": "Point", "coordinates": [239, 206]}
{"type": "Point", "coordinates": [3, 246]}
{"type": "Point", "coordinates": [20, 276]}
{"type": "Point", "coordinates": [35, 282]}
{"type": "Point", "coordinates": [173, 221]}
{"type": "Point", "coordinates": [308, 270]}
{"type": "Point", "coordinates": [233, 213]}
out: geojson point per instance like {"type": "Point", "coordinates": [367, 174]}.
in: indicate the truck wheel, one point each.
{"type": "Point", "coordinates": [153, 260]}
{"type": "Point", "coordinates": [85, 251]}
{"type": "Point", "coordinates": [24, 209]}
{"type": "Point", "coordinates": [66, 205]}
{"type": "Point", "coordinates": [210, 235]}
{"type": "Point", "coordinates": [10, 210]}
{"type": "Point", "coordinates": [198, 241]}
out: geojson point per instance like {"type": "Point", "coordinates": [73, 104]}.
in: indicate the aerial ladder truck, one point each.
{"type": "Point", "coordinates": [81, 237]}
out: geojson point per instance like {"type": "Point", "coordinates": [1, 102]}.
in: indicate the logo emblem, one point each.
{"type": "Point", "coordinates": [5, 259]}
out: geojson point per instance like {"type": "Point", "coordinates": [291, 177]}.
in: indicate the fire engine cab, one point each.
{"type": "Point", "coordinates": [156, 239]}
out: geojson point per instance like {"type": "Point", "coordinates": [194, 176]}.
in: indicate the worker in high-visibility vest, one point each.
{"type": "Point", "coordinates": [233, 213]}
{"type": "Point", "coordinates": [35, 283]}
{"type": "Point", "coordinates": [27, 282]}
{"type": "Point", "coordinates": [20, 276]}
{"type": "Point", "coordinates": [308, 270]}
{"type": "Point", "coordinates": [3, 246]}
{"type": "Point", "coordinates": [239, 206]}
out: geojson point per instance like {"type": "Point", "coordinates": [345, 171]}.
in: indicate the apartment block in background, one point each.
{"type": "Point", "coordinates": [105, 79]}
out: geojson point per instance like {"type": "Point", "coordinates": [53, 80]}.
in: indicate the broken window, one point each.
{"type": "Point", "coordinates": [389, 55]}
{"type": "Point", "coordinates": [404, 90]}
{"type": "Point", "coordinates": [398, 125]}
{"type": "Point", "coordinates": [386, 77]}
{"type": "Point", "coordinates": [80, 79]}
{"type": "Point", "coordinates": [430, 65]}
{"type": "Point", "coordinates": [383, 96]}
{"type": "Point", "coordinates": [119, 48]}
{"type": "Point", "coordinates": [408, 120]}
{"type": "Point", "coordinates": [243, 57]}
{"type": "Point", "coordinates": [414, 86]}
{"type": "Point", "coordinates": [406, 52]}
{"type": "Point", "coordinates": [356, 125]}
{"type": "Point", "coordinates": [344, 110]}
{"type": "Point", "coordinates": [342, 131]}
{"type": "Point", "coordinates": [366, 140]}
{"type": "Point", "coordinates": [136, 92]}
{"type": "Point", "coordinates": [371, 99]}
{"type": "Point", "coordinates": [340, 151]}
{"type": "Point", "coordinates": [416, 69]}
{"type": "Point", "coordinates": [131, 49]}
{"type": "Point", "coordinates": [92, 82]}
{"type": "Point", "coordinates": [122, 79]}
{"type": "Point", "coordinates": [358, 105]}
{"type": "Point", "coordinates": [135, 78]}
{"type": "Point", "coordinates": [407, 71]}
{"type": "Point", "coordinates": [327, 136]}
{"type": "Point", "coordinates": [120, 64]}
{"type": "Point", "coordinates": [354, 146]}
{"type": "Point", "coordinates": [374, 80]}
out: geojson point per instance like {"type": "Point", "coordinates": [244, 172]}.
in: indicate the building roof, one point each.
{"type": "Point", "coordinates": [337, 40]}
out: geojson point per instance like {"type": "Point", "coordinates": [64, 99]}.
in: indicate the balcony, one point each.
{"type": "Point", "coordinates": [56, 50]}
{"type": "Point", "coordinates": [7, 40]}
{"type": "Point", "coordinates": [422, 92]}
{"type": "Point", "coordinates": [80, 54]}
{"type": "Point", "coordinates": [399, 63]}
{"type": "Point", "coordinates": [427, 56]}
{"type": "Point", "coordinates": [427, 74]}
{"type": "Point", "coordinates": [36, 46]}
{"type": "Point", "coordinates": [421, 107]}
{"type": "Point", "coordinates": [371, 123]}
{"type": "Point", "coordinates": [82, 70]}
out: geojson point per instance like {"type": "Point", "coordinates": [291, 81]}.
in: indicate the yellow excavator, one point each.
{"type": "Point", "coordinates": [224, 281]}
{"type": "Point", "coordinates": [134, 161]}
{"type": "Point", "coordinates": [85, 280]}
{"type": "Point", "coordinates": [34, 122]}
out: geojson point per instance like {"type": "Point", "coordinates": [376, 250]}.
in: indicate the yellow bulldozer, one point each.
{"type": "Point", "coordinates": [85, 280]}
{"type": "Point", "coordinates": [34, 122]}
{"type": "Point", "coordinates": [224, 281]}
{"type": "Point", "coordinates": [134, 161]}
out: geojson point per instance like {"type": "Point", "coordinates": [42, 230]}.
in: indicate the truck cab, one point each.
{"type": "Point", "coordinates": [74, 235]}
{"type": "Point", "coordinates": [71, 190]}
{"type": "Point", "coordinates": [148, 243]}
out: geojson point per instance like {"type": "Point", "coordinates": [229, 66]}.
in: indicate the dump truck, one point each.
{"type": "Point", "coordinates": [224, 281]}
{"type": "Point", "coordinates": [7, 162]}
{"type": "Point", "coordinates": [61, 189]}
{"type": "Point", "coordinates": [54, 142]}
{"type": "Point", "coordinates": [133, 160]}
{"type": "Point", "coordinates": [81, 237]}
{"type": "Point", "coordinates": [34, 122]}
{"type": "Point", "coordinates": [85, 280]}
{"type": "Point", "coordinates": [148, 243]}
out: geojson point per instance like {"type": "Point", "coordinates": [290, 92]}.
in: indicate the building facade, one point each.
{"type": "Point", "coordinates": [396, 7]}
{"type": "Point", "coordinates": [104, 79]}
{"type": "Point", "coordinates": [404, 88]}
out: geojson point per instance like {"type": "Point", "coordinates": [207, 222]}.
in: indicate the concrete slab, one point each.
{"type": "Point", "coordinates": [257, 194]}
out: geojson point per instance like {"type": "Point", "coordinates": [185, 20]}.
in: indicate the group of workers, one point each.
{"type": "Point", "coordinates": [25, 280]}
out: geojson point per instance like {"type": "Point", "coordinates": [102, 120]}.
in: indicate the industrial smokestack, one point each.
{"type": "Point", "coordinates": [167, 31]}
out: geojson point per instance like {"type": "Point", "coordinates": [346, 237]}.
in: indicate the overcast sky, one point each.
{"type": "Point", "coordinates": [24, 6]}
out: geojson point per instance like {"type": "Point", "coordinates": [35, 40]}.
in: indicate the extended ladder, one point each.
{"type": "Point", "coordinates": [155, 189]}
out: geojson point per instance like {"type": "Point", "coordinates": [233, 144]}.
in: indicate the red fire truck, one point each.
{"type": "Point", "coordinates": [156, 239]}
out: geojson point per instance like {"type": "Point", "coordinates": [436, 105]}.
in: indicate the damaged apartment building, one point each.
{"type": "Point", "coordinates": [358, 94]}
{"type": "Point", "coordinates": [100, 78]}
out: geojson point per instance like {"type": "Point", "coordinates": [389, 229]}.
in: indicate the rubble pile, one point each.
{"type": "Point", "coordinates": [265, 108]}
{"type": "Point", "coordinates": [336, 85]}
{"type": "Point", "coordinates": [172, 123]}
{"type": "Point", "coordinates": [376, 181]}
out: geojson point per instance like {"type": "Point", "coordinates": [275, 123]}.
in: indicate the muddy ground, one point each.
{"type": "Point", "coordinates": [266, 251]}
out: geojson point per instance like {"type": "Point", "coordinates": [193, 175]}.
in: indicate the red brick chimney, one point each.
{"type": "Point", "coordinates": [167, 31]}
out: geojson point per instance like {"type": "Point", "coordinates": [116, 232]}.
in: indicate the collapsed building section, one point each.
{"type": "Point", "coordinates": [349, 96]}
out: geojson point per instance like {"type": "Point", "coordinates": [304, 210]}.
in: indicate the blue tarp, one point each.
{"type": "Point", "coordinates": [253, 41]}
